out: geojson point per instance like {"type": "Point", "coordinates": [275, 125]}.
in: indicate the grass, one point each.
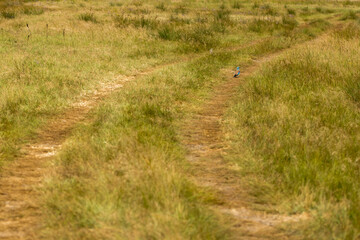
{"type": "Point", "coordinates": [237, 5]}
{"type": "Point", "coordinates": [161, 6]}
{"type": "Point", "coordinates": [33, 11]}
{"type": "Point", "coordinates": [123, 175]}
{"type": "Point", "coordinates": [291, 11]}
{"type": "Point", "coordinates": [349, 15]}
{"type": "Point", "coordinates": [273, 26]}
{"type": "Point", "coordinates": [295, 132]}
{"type": "Point", "coordinates": [8, 14]}
{"type": "Point", "coordinates": [88, 17]}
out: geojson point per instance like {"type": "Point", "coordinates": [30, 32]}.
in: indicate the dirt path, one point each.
{"type": "Point", "coordinates": [20, 216]}
{"type": "Point", "coordinates": [203, 138]}
{"type": "Point", "coordinates": [19, 206]}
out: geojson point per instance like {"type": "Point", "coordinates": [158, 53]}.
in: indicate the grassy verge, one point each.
{"type": "Point", "coordinates": [295, 134]}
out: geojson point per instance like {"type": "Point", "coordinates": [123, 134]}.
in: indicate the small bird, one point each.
{"type": "Point", "coordinates": [237, 72]}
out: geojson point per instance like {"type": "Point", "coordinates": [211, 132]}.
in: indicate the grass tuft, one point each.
{"type": "Point", "coordinates": [8, 14]}
{"type": "Point", "coordinates": [268, 10]}
{"type": "Point", "coordinates": [291, 11]}
{"type": "Point", "coordinates": [33, 11]}
{"type": "Point", "coordinates": [88, 17]}
{"type": "Point", "coordinates": [161, 6]}
{"type": "Point", "coordinates": [350, 15]}
{"type": "Point", "coordinates": [237, 5]}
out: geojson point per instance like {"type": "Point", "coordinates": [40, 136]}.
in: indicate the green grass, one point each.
{"type": "Point", "coordinates": [8, 14]}
{"type": "Point", "coordinates": [296, 130]}
{"type": "Point", "coordinates": [350, 15]}
{"type": "Point", "coordinates": [88, 17]}
{"type": "Point", "coordinates": [237, 5]}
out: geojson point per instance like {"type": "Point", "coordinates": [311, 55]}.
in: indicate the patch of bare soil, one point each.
{"type": "Point", "coordinates": [203, 138]}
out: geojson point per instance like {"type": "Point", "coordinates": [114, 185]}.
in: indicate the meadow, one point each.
{"type": "Point", "coordinates": [292, 128]}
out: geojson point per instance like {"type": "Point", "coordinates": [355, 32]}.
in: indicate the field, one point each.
{"type": "Point", "coordinates": [122, 119]}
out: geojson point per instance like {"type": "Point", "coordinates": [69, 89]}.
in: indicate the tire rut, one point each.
{"type": "Point", "coordinates": [21, 180]}
{"type": "Point", "coordinates": [203, 138]}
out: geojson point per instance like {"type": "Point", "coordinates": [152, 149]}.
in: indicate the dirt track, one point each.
{"type": "Point", "coordinates": [20, 216]}
{"type": "Point", "coordinates": [203, 138]}
{"type": "Point", "coordinates": [21, 179]}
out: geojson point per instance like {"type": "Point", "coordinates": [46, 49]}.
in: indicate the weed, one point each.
{"type": "Point", "coordinates": [200, 37]}
{"type": "Point", "coordinates": [118, 4]}
{"type": "Point", "coordinates": [161, 6]}
{"type": "Point", "coordinates": [289, 22]}
{"type": "Point", "coordinates": [323, 10]}
{"type": "Point", "coordinates": [351, 3]}
{"type": "Point", "coordinates": [145, 23]}
{"type": "Point", "coordinates": [179, 21]}
{"type": "Point", "coordinates": [305, 9]}
{"type": "Point", "coordinates": [261, 25]}
{"type": "Point", "coordinates": [237, 5]}
{"type": "Point", "coordinates": [33, 11]}
{"type": "Point", "coordinates": [88, 17]}
{"type": "Point", "coordinates": [291, 11]}
{"type": "Point", "coordinates": [268, 10]}
{"type": "Point", "coordinates": [351, 31]}
{"type": "Point", "coordinates": [121, 21]}
{"type": "Point", "coordinates": [8, 14]}
{"type": "Point", "coordinates": [138, 3]}
{"type": "Point", "coordinates": [180, 9]}
{"type": "Point", "coordinates": [168, 33]}
{"type": "Point", "coordinates": [349, 15]}
{"type": "Point", "coordinates": [222, 14]}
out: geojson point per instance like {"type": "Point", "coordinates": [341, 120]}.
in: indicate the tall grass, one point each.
{"type": "Point", "coordinates": [33, 11]}
{"type": "Point", "coordinates": [88, 17]}
{"type": "Point", "coordinates": [272, 25]}
{"type": "Point", "coordinates": [9, 14]}
{"type": "Point", "coordinates": [296, 131]}
{"type": "Point", "coordinates": [350, 15]}
{"type": "Point", "coordinates": [237, 5]}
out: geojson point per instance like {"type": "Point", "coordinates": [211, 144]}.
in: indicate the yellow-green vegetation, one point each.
{"type": "Point", "coordinates": [297, 133]}
{"type": "Point", "coordinates": [122, 175]}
